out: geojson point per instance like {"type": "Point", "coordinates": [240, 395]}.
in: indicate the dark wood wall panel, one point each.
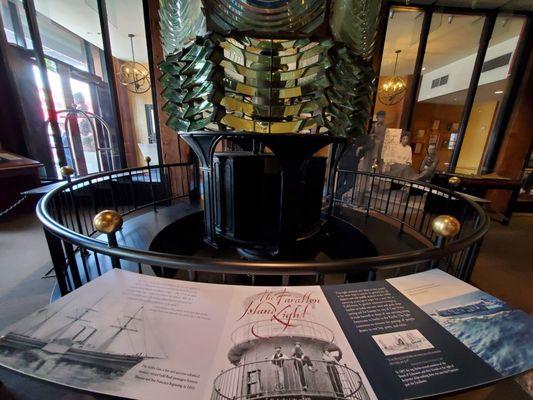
{"type": "Point", "coordinates": [518, 139]}
{"type": "Point", "coordinates": [12, 132]}
{"type": "Point", "coordinates": [126, 120]}
{"type": "Point", "coordinates": [173, 148]}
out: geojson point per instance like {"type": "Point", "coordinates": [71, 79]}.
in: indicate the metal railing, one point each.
{"type": "Point", "coordinates": [408, 206]}
{"type": "Point", "coordinates": [289, 379]}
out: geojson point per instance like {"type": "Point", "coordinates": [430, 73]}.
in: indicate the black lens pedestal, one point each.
{"type": "Point", "coordinates": [264, 197]}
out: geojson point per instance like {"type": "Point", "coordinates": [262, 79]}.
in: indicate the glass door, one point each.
{"type": "Point", "coordinates": [81, 119]}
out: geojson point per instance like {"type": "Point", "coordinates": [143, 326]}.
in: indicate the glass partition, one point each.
{"type": "Point", "coordinates": [449, 59]}
{"type": "Point", "coordinates": [493, 84]}
{"type": "Point", "coordinates": [72, 43]}
{"type": "Point", "coordinates": [132, 73]}
{"type": "Point", "coordinates": [15, 23]}
{"type": "Point", "coordinates": [398, 63]}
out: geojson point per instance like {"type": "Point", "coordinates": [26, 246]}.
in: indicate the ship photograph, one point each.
{"type": "Point", "coordinates": [401, 342]}
{"type": "Point", "coordinates": [67, 346]}
{"type": "Point", "coordinates": [488, 327]}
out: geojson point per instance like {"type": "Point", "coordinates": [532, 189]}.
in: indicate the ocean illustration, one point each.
{"type": "Point", "coordinates": [502, 337]}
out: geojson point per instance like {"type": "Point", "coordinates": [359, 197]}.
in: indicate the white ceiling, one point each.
{"type": "Point", "coordinates": [81, 18]}
{"type": "Point", "coordinates": [449, 40]}
{"type": "Point", "coordinates": [483, 93]}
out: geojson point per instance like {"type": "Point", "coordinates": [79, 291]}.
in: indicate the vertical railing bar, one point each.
{"type": "Point", "coordinates": [418, 206]}
{"type": "Point", "coordinates": [388, 199]}
{"type": "Point", "coordinates": [97, 263]}
{"type": "Point", "coordinates": [57, 255]}
{"type": "Point", "coordinates": [69, 209]}
{"type": "Point", "coordinates": [84, 263]}
{"type": "Point", "coordinates": [370, 195]}
{"type": "Point", "coordinates": [406, 207]}
{"type": "Point", "coordinates": [132, 190]}
{"type": "Point", "coordinates": [72, 265]}
{"type": "Point", "coordinates": [354, 185]}
{"type": "Point", "coordinates": [85, 209]}
{"type": "Point", "coordinates": [111, 188]}
{"type": "Point", "coordinates": [91, 191]}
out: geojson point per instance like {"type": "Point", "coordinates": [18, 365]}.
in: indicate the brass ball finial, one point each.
{"type": "Point", "coordinates": [446, 226]}
{"type": "Point", "coordinates": [66, 171]}
{"type": "Point", "coordinates": [454, 181]}
{"type": "Point", "coordinates": [147, 159]}
{"type": "Point", "coordinates": [375, 167]}
{"type": "Point", "coordinates": [107, 221]}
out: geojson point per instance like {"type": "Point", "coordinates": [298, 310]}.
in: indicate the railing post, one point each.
{"type": "Point", "coordinates": [148, 160]}
{"type": "Point", "coordinates": [374, 169]}
{"type": "Point", "coordinates": [473, 252]}
{"type": "Point", "coordinates": [109, 222]}
{"type": "Point", "coordinates": [453, 182]}
{"type": "Point", "coordinates": [402, 223]}
{"type": "Point", "coordinates": [58, 260]}
{"type": "Point", "coordinates": [67, 172]}
{"type": "Point", "coordinates": [444, 226]}
{"type": "Point", "coordinates": [333, 193]}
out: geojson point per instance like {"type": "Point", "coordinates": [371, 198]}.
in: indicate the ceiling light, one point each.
{"type": "Point", "coordinates": [391, 14]}
{"type": "Point", "coordinates": [498, 92]}
{"type": "Point", "coordinates": [423, 68]}
{"type": "Point", "coordinates": [392, 90]}
{"type": "Point", "coordinates": [133, 75]}
{"type": "Point", "coordinates": [450, 19]}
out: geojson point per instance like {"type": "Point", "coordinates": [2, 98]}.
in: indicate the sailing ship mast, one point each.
{"type": "Point", "coordinates": [76, 318]}
{"type": "Point", "coordinates": [121, 328]}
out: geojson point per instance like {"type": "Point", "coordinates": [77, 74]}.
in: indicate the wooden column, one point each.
{"type": "Point", "coordinates": [172, 147]}
{"type": "Point", "coordinates": [518, 139]}
{"type": "Point", "coordinates": [126, 119]}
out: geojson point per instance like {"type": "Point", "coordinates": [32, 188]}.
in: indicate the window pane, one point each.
{"type": "Point", "coordinates": [133, 78]}
{"type": "Point", "coordinates": [61, 44]}
{"type": "Point", "coordinates": [446, 73]}
{"type": "Point", "coordinates": [15, 23]}
{"type": "Point", "coordinates": [72, 42]}
{"type": "Point", "coordinates": [67, 29]}
{"type": "Point", "coordinates": [493, 84]}
{"type": "Point", "coordinates": [59, 104]}
{"type": "Point", "coordinates": [403, 34]}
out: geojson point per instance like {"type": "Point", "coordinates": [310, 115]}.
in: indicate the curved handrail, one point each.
{"type": "Point", "coordinates": [205, 264]}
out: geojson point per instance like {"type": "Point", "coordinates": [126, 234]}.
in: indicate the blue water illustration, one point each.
{"type": "Point", "coordinates": [502, 337]}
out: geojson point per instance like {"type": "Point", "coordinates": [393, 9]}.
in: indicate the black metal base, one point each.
{"type": "Point", "coordinates": [263, 193]}
{"type": "Point", "coordinates": [337, 240]}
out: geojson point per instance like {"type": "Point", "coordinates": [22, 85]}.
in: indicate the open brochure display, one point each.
{"type": "Point", "coordinates": [143, 337]}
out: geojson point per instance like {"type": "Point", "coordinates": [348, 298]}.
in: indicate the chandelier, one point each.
{"type": "Point", "coordinates": [134, 75]}
{"type": "Point", "coordinates": [393, 89]}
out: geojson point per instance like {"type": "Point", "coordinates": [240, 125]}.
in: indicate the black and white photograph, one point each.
{"type": "Point", "coordinates": [286, 343]}
{"type": "Point", "coordinates": [402, 342]}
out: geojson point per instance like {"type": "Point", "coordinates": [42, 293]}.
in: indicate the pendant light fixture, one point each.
{"type": "Point", "coordinates": [393, 89]}
{"type": "Point", "coordinates": [134, 75]}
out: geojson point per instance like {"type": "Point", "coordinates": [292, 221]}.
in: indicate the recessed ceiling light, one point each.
{"type": "Point", "coordinates": [498, 92]}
